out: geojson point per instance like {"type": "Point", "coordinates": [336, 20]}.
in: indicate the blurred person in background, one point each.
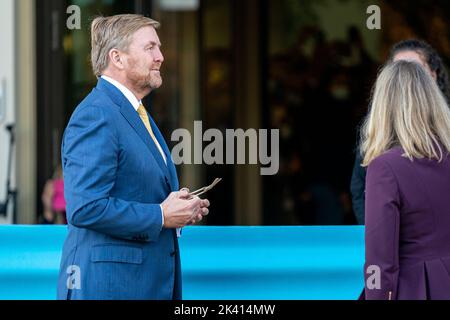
{"type": "Point", "coordinates": [53, 200]}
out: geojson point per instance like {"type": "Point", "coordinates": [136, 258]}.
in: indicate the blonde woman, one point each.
{"type": "Point", "coordinates": [405, 145]}
{"type": "Point", "coordinates": [410, 50]}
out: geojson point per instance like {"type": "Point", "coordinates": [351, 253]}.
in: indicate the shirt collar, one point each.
{"type": "Point", "coordinates": [125, 91]}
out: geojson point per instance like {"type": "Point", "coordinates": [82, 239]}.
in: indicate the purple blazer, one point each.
{"type": "Point", "coordinates": [407, 233]}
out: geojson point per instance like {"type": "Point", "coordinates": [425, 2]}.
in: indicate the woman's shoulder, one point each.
{"type": "Point", "coordinates": [396, 157]}
{"type": "Point", "coordinates": [391, 156]}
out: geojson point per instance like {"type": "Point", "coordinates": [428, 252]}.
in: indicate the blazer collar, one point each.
{"type": "Point", "coordinates": [130, 114]}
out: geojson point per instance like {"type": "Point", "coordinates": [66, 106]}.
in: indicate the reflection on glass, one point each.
{"type": "Point", "coordinates": [79, 79]}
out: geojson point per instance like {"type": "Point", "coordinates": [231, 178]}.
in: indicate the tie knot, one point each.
{"type": "Point", "coordinates": [141, 110]}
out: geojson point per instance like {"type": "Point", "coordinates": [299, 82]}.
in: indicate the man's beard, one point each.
{"type": "Point", "coordinates": [144, 82]}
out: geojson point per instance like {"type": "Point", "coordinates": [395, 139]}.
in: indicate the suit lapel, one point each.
{"type": "Point", "coordinates": [128, 112]}
{"type": "Point", "coordinates": [173, 180]}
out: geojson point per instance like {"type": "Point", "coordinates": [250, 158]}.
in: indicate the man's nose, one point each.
{"type": "Point", "coordinates": [159, 56]}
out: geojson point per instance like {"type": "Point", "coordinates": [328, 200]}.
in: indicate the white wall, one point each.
{"type": "Point", "coordinates": [7, 97]}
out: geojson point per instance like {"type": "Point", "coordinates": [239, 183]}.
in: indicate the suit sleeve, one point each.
{"type": "Point", "coordinates": [90, 155]}
{"type": "Point", "coordinates": [357, 189]}
{"type": "Point", "coordinates": [382, 232]}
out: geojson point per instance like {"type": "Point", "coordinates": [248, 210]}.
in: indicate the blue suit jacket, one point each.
{"type": "Point", "coordinates": [115, 178]}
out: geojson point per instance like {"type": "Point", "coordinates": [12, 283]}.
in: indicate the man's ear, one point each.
{"type": "Point", "coordinates": [116, 58]}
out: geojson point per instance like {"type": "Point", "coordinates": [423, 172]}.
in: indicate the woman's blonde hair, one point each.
{"type": "Point", "coordinates": [114, 32]}
{"type": "Point", "coordinates": [407, 110]}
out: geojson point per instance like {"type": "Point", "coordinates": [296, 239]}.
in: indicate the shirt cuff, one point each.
{"type": "Point", "coordinates": [162, 216]}
{"type": "Point", "coordinates": [178, 230]}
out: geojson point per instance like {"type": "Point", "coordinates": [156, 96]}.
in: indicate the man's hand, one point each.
{"type": "Point", "coordinates": [181, 209]}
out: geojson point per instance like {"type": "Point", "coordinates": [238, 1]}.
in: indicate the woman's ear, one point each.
{"type": "Point", "coordinates": [434, 75]}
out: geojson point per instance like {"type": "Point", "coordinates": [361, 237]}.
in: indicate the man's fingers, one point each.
{"type": "Point", "coordinates": [205, 211]}
{"type": "Point", "coordinates": [173, 195]}
{"type": "Point", "coordinates": [197, 219]}
{"type": "Point", "coordinates": [183, 193]}
{"type": "Point", "coordinates": [194, 202]}
{"type": "Point", "coordinates": [205, 203]}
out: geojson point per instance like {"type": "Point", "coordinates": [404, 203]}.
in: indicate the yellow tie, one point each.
{"type": "Point", "coordinates": [144, 117]}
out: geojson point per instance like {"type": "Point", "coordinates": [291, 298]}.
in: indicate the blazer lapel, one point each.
{"type": "Point", "coordinates": [173, 179]}
{"type": "Point", "coordinates": [130, 114]}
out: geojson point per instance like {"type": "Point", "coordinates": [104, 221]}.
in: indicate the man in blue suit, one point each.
{"type": "Point", "coordinates": [123, 205]}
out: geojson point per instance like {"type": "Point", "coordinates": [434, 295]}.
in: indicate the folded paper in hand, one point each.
{"type": "Point", "coordinates": [203, 190]}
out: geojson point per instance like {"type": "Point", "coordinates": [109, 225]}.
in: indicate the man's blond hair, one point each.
{"type": "Point", "coordinates": [115, 32]}
{"type": "Point", "coordinates": [407, 110]}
